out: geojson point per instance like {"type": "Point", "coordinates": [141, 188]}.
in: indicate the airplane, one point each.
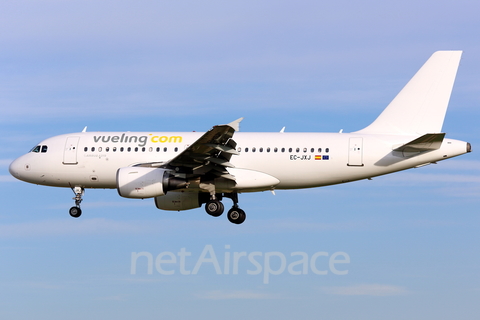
{"type": "Point", "coordinates": [184, 170]}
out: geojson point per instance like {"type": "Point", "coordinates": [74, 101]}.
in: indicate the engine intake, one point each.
{"type": "Point", "coordinates": [141, 182]}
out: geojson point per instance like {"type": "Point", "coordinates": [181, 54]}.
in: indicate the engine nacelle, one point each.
{"type": "Point", "coordinates": [178, 201]}
{"type": "Point", "coordinates": [141, 182]}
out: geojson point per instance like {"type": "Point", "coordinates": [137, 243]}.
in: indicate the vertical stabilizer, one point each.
{"type": "Point", "coordinates": [421, 105]}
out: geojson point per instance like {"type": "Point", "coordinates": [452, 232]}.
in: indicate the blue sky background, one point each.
{"type": "Point", "coordinates": [412, 237]}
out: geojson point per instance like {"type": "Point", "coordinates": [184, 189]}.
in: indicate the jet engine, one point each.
{"type": "Point", "coordinates": [141, 182]}
{"type": "Point", "coordinates": [178, 201]}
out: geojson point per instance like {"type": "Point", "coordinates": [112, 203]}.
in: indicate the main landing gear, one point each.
{"type": "Point", "coordinates": [215, 208]}
{"type": "Point", "coordinates": [75, 211]}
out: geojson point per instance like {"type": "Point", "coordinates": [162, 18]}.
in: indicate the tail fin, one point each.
{"type": "Point", "coordinates": [421, 105]}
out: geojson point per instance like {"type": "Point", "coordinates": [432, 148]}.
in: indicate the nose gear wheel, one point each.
{"type": "Point", "coordinates": [75, 211]}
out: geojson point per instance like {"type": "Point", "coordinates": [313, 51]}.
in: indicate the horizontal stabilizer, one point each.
{"type": "Point", "coordinates": [427, 142]}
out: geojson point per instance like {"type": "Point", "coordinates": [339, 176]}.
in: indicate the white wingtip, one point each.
{"type": "Point", "coordinates": [84, 129]}
{"type": "Point", "coordinates": [235, 124]}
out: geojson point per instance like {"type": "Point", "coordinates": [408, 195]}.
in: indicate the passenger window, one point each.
{"type": "Point", "coordinates": [107, 149]}
{"type": "Point", "coordinates": [165, 149]}
{"type": "Point", "coordinates": [275, 149]}
{"type": "Point", "coordinates": [283, 149]}
{"type": "Point", "coordinates": [143, 149]}
{"type": "Point", "coordinates": [129, 149]}
{"type": "Point", "coordinates": [150, 149]}
{"type": "Point", "coordinates": [114, 149]}
{"type": "Point", "coordinates": [239, 149]}
{"type": "Point", "coordinates": [136, 149]}
{"type": "Point", "coordinates": [93, 149]}
{"type": "Point", "coordinates": [312, 150]}
{"type": "Point", "coordinates": [158, 149]}
{"type": "Point", "coordinates": [260, 150]}
{"type": "Point", "coordinates": [254, 149]}
{"type": "Point", "coordinates": [298, 150]}
{"type": "Point", "coordinates": [176, 149]}
{"type": "Point", "coordinates": [85, 149]}
{"type": "Point", "coordinates": [319, 149]}
{"type": "Point", "coordinates": [304, 149]}
{"type": "Point", "coordinates": [289, 149]}
{"type": "Point", "coordinates": [246, 149]}
{"type": "Point", "coordinates": [327, 150]}
{"type": "Point", "coordinates": [100, 149]}
{"type": "Point", "coordinates": [121, 149]}
{"type": "Point", "coordinates": [268, 149]}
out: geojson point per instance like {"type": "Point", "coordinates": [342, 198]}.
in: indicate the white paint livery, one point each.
{"type": "Point", "coordinates": [184, 170]}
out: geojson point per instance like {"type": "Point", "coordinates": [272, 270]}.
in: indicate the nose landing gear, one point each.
{"type": "Point", "coordinates": [75, 211]}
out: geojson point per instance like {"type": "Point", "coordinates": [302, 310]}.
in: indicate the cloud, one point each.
{"type": "Point", "coordinates": [227, 295]}
{"type": "Point", "coordinates": [5, 162]}
{"type": "Point", "coordinates": [5, 178]}
{"type": "Point", "coordinates": [366, 290]}
{"type": "Point", "coordinates": [43, 285]}
{"type": "Point", "coordinates": [113, 298]}
{"type": "Point", "coordinates": [108, 204]}
{"type": "Point", "coordinates": [415, 178]}
{"type": "Point", "coordinates": [469, 165]}
{"type": "Point", "coordinates": [69, 227]}
{"type": "Point", "coordinates": [103, 226]}
{"type": "Point", "coordinates": [289, 225]}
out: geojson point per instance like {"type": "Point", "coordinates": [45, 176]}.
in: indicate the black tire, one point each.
{"type": "Point", "coordinates": [214, 208]}
{"type": "Point", "coordinates": [75, 212]}
{"type": "Point", "coordinates": [236, 215]}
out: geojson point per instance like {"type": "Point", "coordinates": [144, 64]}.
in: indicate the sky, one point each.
{"type": "Point", "coordinates": [402, 246]}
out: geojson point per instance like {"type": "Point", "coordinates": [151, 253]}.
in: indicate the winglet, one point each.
{"type": "Point", "coordinates": [235, 124]}
{"type": "Point", "coordinates": [84, 129]}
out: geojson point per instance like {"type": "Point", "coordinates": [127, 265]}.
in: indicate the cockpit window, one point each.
{"type": "Point", "coordinates": [36, 149]}
{"type": "Point", "coordinates": [44, 149]}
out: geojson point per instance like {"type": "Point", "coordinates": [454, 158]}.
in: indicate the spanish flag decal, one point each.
{"type": "Point", "coordinates": [317, 157]}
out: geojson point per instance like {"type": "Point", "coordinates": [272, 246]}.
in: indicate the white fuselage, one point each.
{"type": "Point", "coordinates": [297, 160]}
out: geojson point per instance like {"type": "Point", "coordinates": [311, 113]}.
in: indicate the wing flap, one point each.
{"type": "Point", "coordinates": [210, 154]}
{"type": "Point", "coordinates": [222, 148]}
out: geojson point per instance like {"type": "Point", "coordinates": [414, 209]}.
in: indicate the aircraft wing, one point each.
{"type": "Point", "coordinates": [209, 155]}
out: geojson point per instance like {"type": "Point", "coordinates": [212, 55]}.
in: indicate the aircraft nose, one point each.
{"type": "Point", "coordinates": [17, 167]}
{"type": "Point", "coordinates": [13, 168]}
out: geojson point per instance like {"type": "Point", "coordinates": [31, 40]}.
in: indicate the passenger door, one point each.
{"type": "Point", "coordinates": [70, 152]}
